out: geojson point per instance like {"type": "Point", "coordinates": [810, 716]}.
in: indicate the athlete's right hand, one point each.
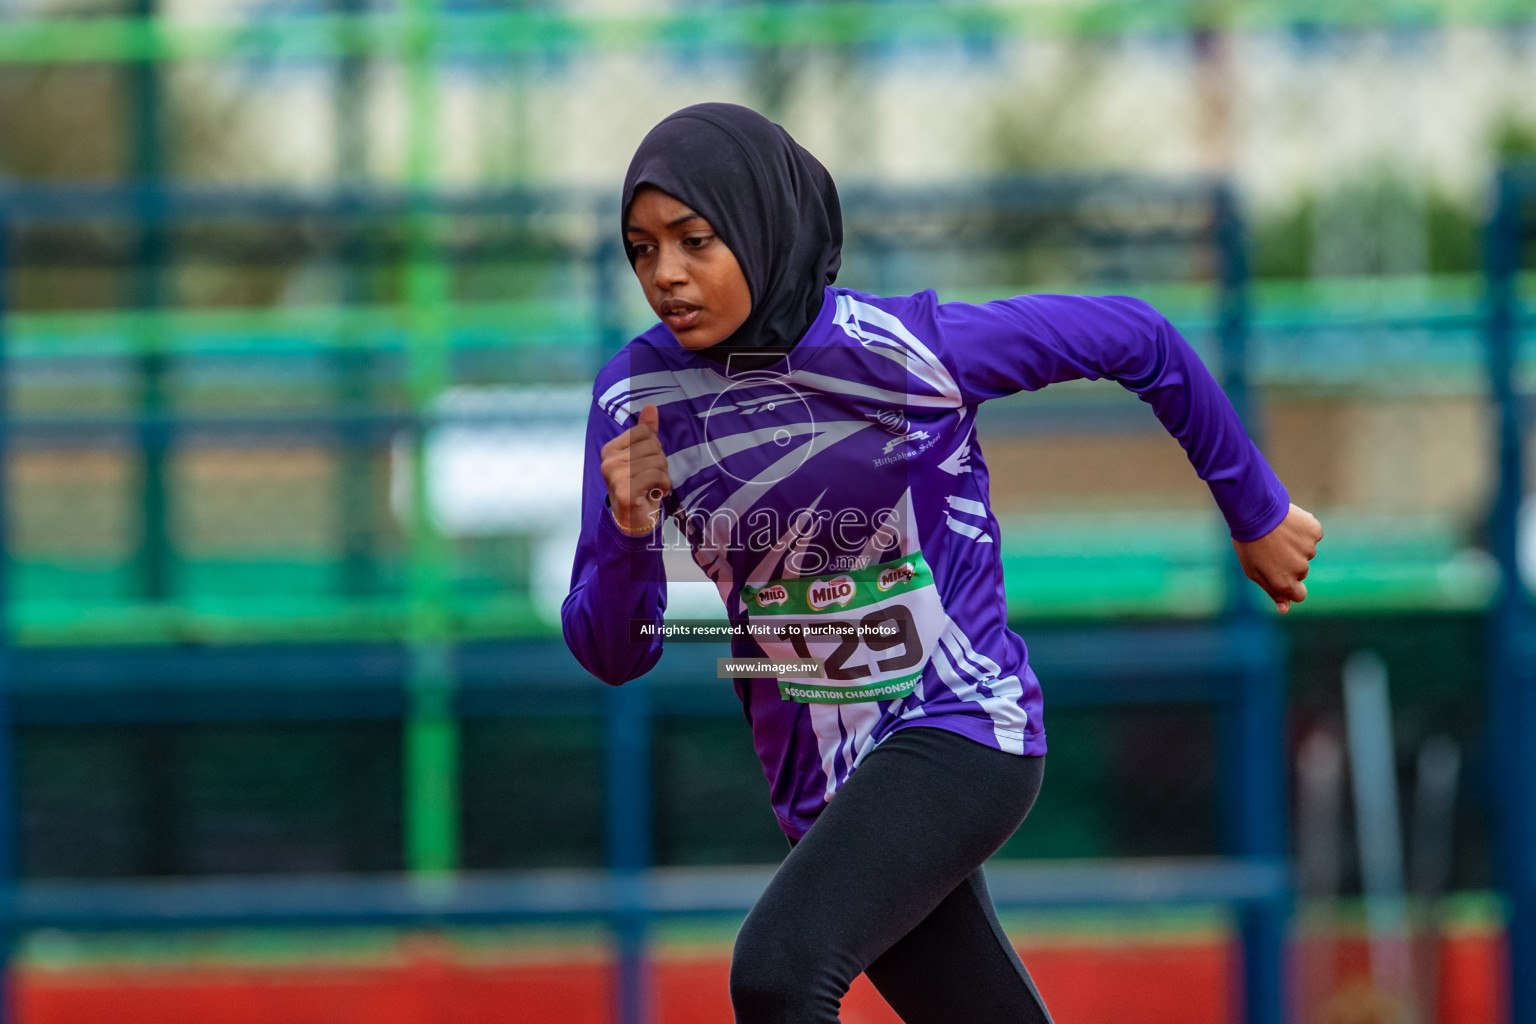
{"type": "Point", "coordinates": [1278, 561]}
{"type": "Point", "coordinates": [635, 470]}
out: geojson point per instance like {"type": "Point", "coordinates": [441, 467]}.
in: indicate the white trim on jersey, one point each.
{"type": "Point", "coordinates": [685, 462]}
{"type": "Point", "coordinates": [966, 529]}
{"type": "Point", "coordinates": [746, 496]}
{"type": "Point", "coordinates": [969, 507]}
{"type": "Point", "coordinates": [900, 345]}
{"type": "Point", "coordinates": [1006, 688]}
{"type": "Point", "coordinates": [959, 460]}
{"type": "Point", "coordinates": [658, 387]}
{"type": "Point", "coordinates": [958, 664]}
{"type": "Point", "coordinates": [846, 730]}
{"type": "Point", "coordinates": [840, 386]}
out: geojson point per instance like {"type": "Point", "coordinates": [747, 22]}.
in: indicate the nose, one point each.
{"type": "Point", "coordinates": [671, 268]}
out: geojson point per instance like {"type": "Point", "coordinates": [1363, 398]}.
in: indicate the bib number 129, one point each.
{"type": "Point", "coordinates": [869, 632]}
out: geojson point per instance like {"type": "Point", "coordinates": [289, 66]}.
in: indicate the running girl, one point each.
{"type": "Point", "coordinates": [817, 448]}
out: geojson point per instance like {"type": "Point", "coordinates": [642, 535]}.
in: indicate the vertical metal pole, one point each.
{"type": "Point", "coordinates": [431, 730]}
{"type": "Point", "coordinates": [147, 287]}
{"type": "Point", "coordinates": [10, 798]}
{"type": "Point", "coordinates": [1252, 756]}
{"type": "Point", "coordinates": [627, 800]}
{"type": "Point", "coordinates": [1251, 744]}
{"type": "Point", "coordinates": [1378, 823]}
{"type": "Point", "coordinates": [1232, 319]}
{"type": "Point", "coordinates": [627, 730]}
{"type": "Point", "coordinates": [352, 362]}
{"type": "Point", "coordinates": [146, 291]}
{"type": "Point", "coordinates": [1233, 313]}
{"type": "Point", "coordinates": [607, 259]}
{"type": "Point", "coordinates": [1511, 705]}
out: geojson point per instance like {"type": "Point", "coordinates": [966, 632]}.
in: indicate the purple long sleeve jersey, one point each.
{"type": "Point", "coordinates": [844, 485]}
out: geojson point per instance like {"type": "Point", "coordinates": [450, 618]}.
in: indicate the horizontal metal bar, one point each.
{"type": "Point", "coordinates": [269, 430]}
{"type": "Point", "coordinates": [155, 202]}
{"type": "Point", "coordinates": [119, 254]}
{"type": "Point", "coordinates": [1113, 665]}
{"type": "Point", "coordinates": [37, 248]}
{"type": "Point", "coordinates": [1329, 345]}
{"type": "Point", "coordinates": [588, 895]}
{"type": "Point", "coordinates": [1110, 653]}
{"type": "Point", "coordinates": [1203, 880]}
{"type": "Point", "coordinates": [1077, 194]}
{"type": "Point", "coordinates": [336, 425]}
{"type": "Point", "coordinates": [748, 27]}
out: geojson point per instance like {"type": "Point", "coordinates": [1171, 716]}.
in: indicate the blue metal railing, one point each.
{"type": "Point", "coordinates": [1512, 626]}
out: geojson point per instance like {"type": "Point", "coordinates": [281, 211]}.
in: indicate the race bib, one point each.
{"type": "Point", "coordinates": [875, 629]}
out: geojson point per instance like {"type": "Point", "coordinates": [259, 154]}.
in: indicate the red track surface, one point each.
{"type": "Point", "coordinates": [1119, 983]}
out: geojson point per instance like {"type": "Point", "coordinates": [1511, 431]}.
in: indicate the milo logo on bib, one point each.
{"type": "Point", "coordinates": [770, 596]}
{"type": "Point", "coordinates": [873, 629]}
{"type": "Point", "coordinates": [903, 573]}
{"type": "Point", "coordinates": [823, 594]}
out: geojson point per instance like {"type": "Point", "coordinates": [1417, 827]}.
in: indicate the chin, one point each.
{"type": "Point", "coordinates": [696, 343]}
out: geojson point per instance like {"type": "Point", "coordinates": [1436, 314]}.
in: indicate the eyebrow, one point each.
{"type": "Point", "coordinates": [676, 222]}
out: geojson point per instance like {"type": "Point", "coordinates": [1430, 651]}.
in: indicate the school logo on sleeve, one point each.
{"type": "Point", "coordinates": [838, 590]}
{"type": "Point", "coordinates": [896, 576]}
{"type": "Point", "coordinates": [905, 446]}
{"type": "Point", "coordinates": [773, 595]}
{"type": "Point", "coordinates": [913, 436]}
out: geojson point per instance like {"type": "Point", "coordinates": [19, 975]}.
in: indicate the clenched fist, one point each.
{"type": "Point", "coordinates": [1277, 561]}
{"type": "Point", "coordinates": [635, 470]}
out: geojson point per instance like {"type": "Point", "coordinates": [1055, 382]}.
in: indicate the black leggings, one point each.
{"type": "Point", "coordinates": [889, 882]}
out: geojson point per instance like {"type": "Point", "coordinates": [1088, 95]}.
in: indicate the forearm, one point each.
{"type": "Point", "coordinates": [1029, 342]}
{"type": "Point", "coordinates": [1192, 407]}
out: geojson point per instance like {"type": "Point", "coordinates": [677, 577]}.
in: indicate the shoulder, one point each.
{"type": "Point", "coordinates": [883, 319]}
{"type": "Point", "coordinates": [850, 303]}
{"type": "Point", "coordinates": [905, 330]}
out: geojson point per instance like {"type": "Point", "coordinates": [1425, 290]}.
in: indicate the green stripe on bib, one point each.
{"type": "Point", "coordinates": [807, 691]}
{"type": "Point", "coordinates": [839, 592]}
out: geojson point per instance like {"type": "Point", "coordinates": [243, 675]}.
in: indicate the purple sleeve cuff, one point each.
{"type": "Point", "coordinates": [1272, 516]}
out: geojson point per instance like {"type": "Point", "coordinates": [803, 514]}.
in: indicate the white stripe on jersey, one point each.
{"type": "Point", "coordinates": [659, 387]}
{"type": "Point", "coordinates": [967, 530]}
{"type": "Point", "coordinates": [839, 386]}
{"type": "Point", "coordinates": [748, 494]}
{"type": "Point", "coordinates": [897, 344]}
{"type": "Point", "coordinates": [685, 462]}
{"type": "Point", "coordinates": [906, 522]}
{"type": "Point", "coordinates": [968, 506]}
{"type": "Point", "coordinates": [959, 460]}
{"type": "Point", "coordinates": [957, 662]}
{"type": "Point", "coordinates": [846, 730]}
{"type": "Point", "coordinates": [745, 405]}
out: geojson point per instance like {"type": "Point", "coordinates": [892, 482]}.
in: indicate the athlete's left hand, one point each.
{"type": "Point", "coordinates": [1277, 561]}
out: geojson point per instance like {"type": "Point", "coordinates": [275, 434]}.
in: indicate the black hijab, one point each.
{"type": "Point", "coordinates": [772, 203]}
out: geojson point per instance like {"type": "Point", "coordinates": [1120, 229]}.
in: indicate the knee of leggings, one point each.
{"type": "Point", "coordinates": [771, 978]}
{"type": "Point", "coordinates": [760, 982]}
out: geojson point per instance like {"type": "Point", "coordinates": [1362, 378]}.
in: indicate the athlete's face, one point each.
{"type": "Point", "coordinates": [691, 279]}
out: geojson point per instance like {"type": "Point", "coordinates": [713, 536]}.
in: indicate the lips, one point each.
{"type": "Point", "coordinates": [679, 315]}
